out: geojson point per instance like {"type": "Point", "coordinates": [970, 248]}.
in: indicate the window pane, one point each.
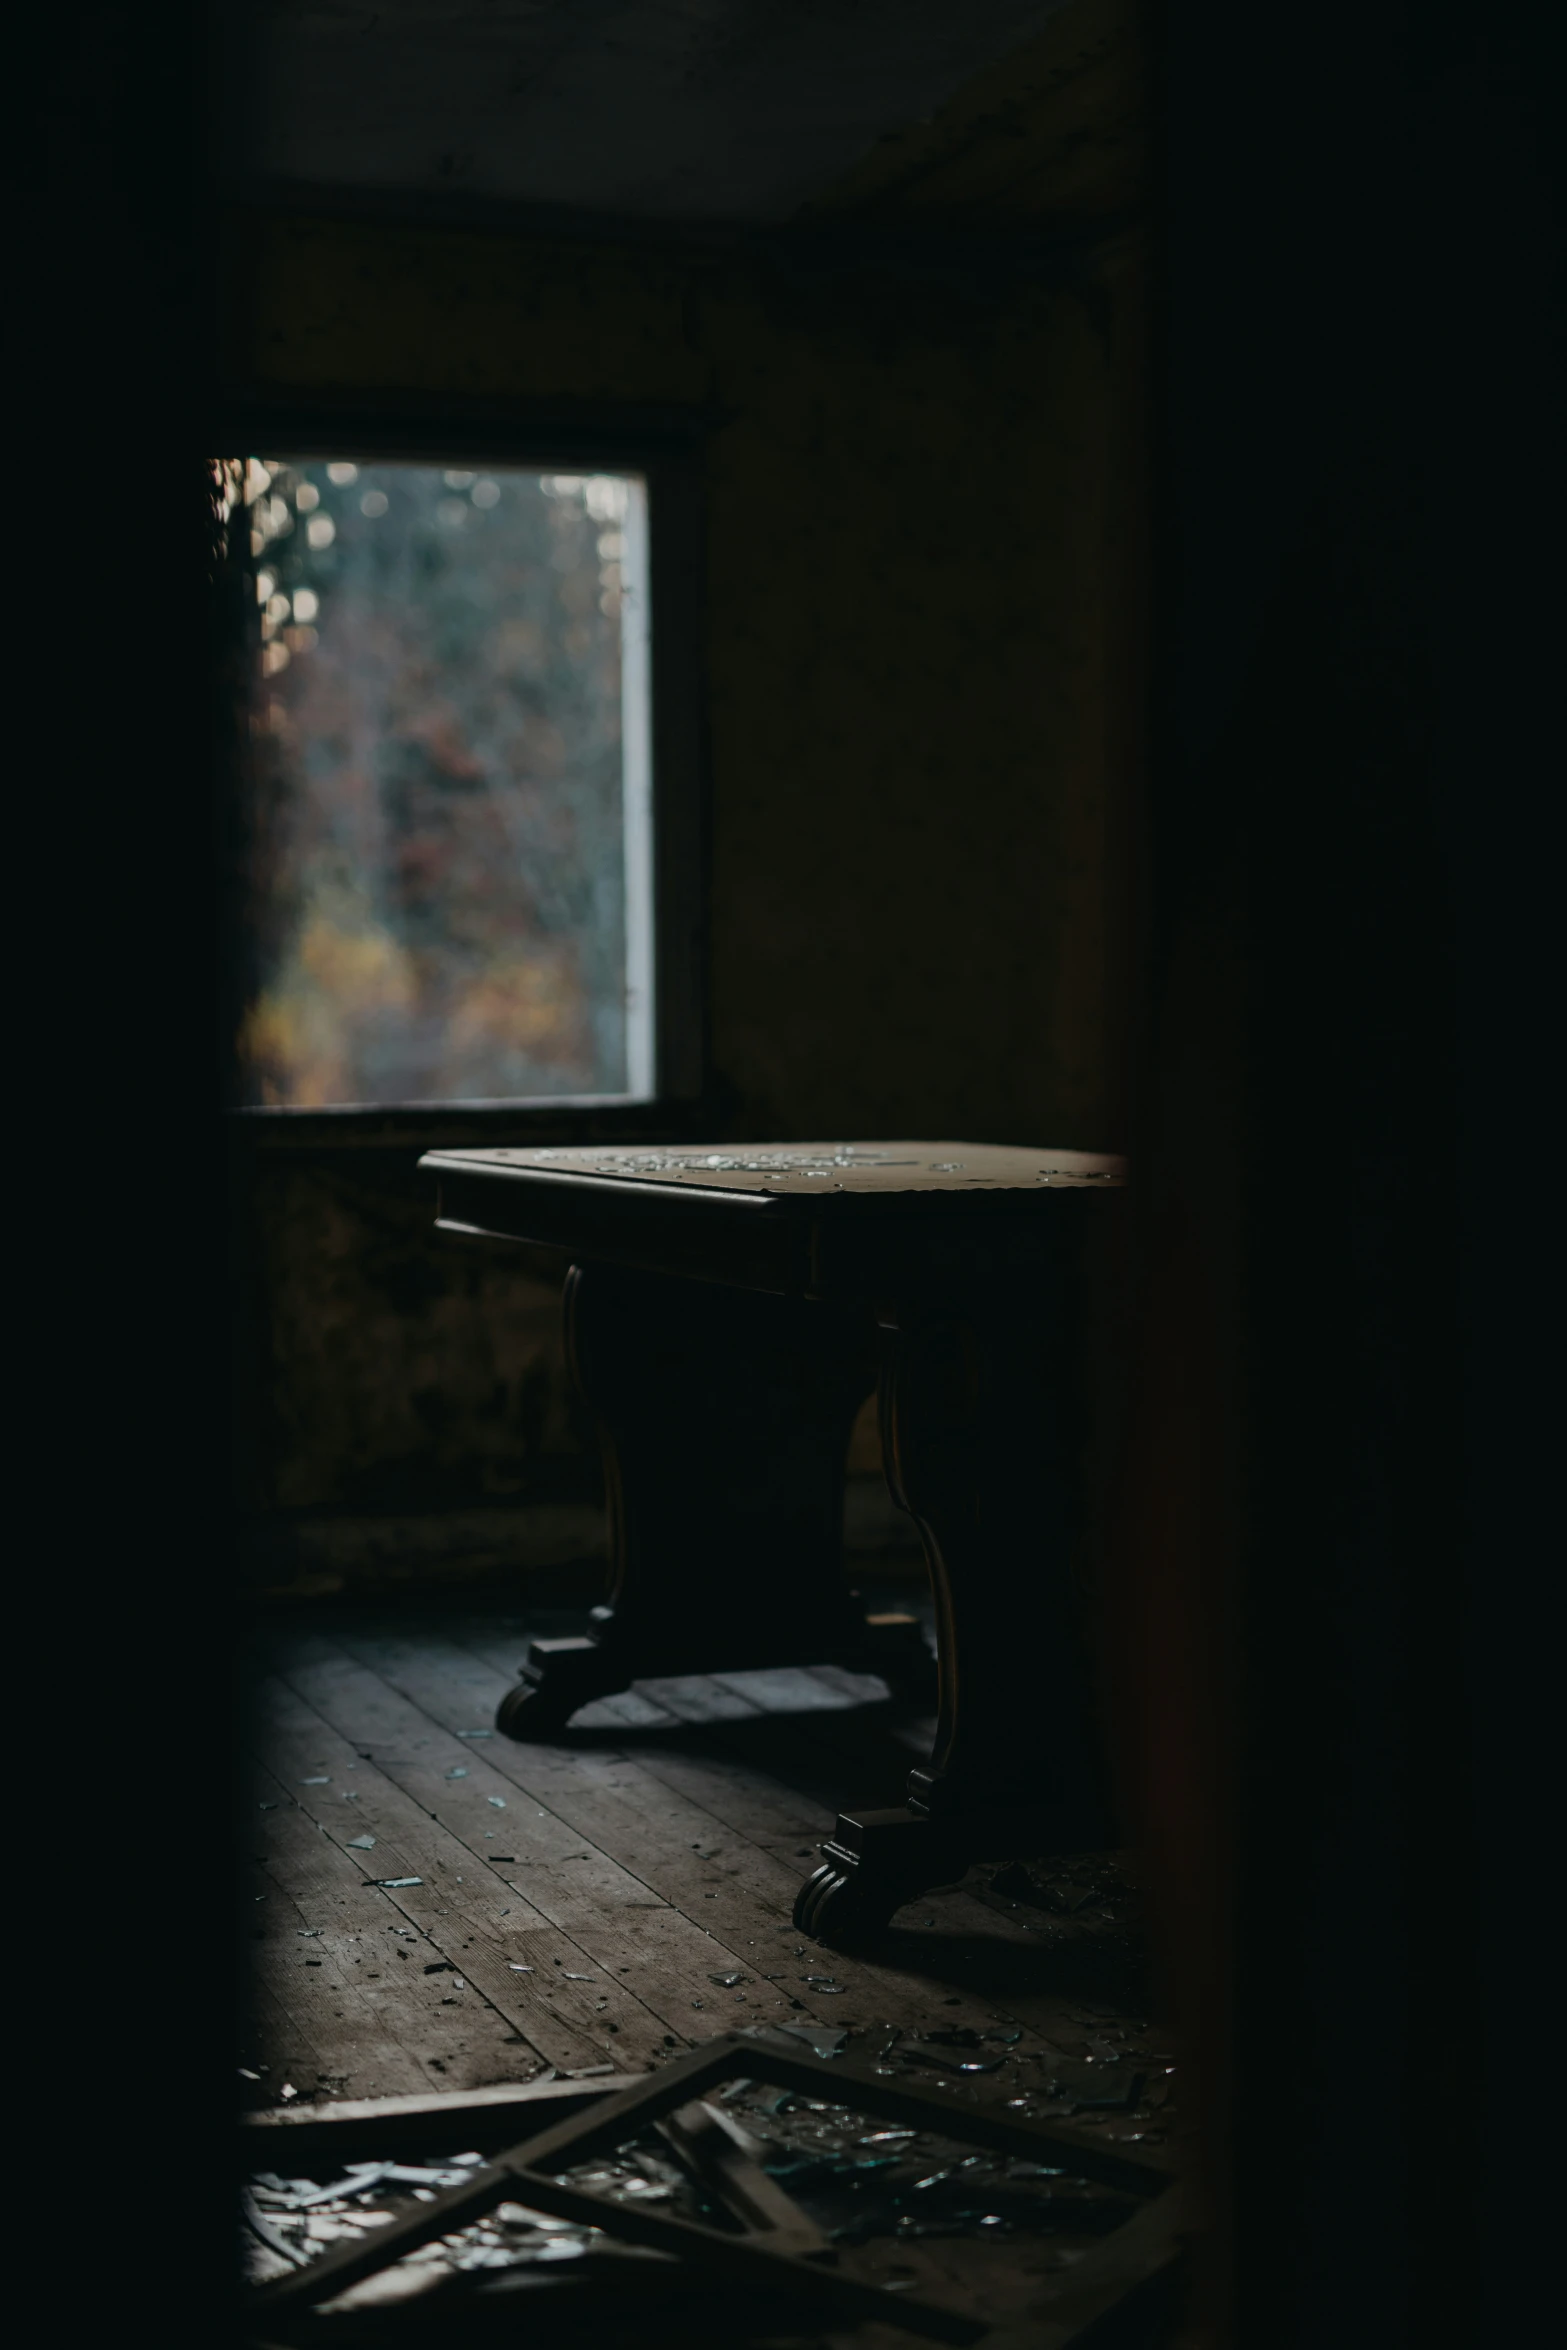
{"type": "Point", "coordinates": [447, 862]}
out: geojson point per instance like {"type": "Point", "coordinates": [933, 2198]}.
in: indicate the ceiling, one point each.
{"type": "Point", "coordinates": [665, 110]}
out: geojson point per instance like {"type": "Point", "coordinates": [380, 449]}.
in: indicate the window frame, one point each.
{"type": "Point", "coordinates": [667, 448]}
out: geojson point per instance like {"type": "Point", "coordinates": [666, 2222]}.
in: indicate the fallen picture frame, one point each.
{"type": "Point", "coordinates": [760, 2253]}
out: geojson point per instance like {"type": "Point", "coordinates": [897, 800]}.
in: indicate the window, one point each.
{"type": "Point", "coordinates": [446, 864]}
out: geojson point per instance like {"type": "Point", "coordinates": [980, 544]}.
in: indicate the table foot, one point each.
{"type": "Point", "coordinates": [558, 1676]}
{"type": "Point", "coordinates": [839, 1907]}
{"type": "Point", "coordinates": [873, 1863]}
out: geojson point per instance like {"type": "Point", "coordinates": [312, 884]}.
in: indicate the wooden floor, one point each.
{"type": "Point", "coordinates": [433, 1906]}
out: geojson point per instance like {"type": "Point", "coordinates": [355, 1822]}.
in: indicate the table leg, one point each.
{"type": "Point", "coordinates": [980, 1448]}
{"type": "Point", "coordinates": [724, 1418]}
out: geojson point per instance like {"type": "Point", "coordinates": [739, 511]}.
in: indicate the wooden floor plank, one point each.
{"type": "Point", "coordinates": [738, 1795]}
{"type": "Point", "coordinates": [750, 1775]}
{"type": "Point", "coordinates": [628, 1709]}
{"type": "Point", "coordinates": [288, 2053]}
{"type": "Point", "coordinates": [606, 1793]}
{"type": "Point", "coordinates": [392, 2024]}
{"type": "Point", "coordinates": [693, 1697]}
{"type": "Point", "coordinates": [665, 1838]}
{"type": "Point", "coordinates": [560, 1865]}
{"type": "Point", "coordinates": [798, 1733]}
{"type": "Point", "coordinates": [801, 1689]}
{"type": "Point", "coordinates": [686, 1854]}
{"type": "Point", "coordinates": [478, 1922]}
{"type": "Point", "coordinates": [699, 1701]}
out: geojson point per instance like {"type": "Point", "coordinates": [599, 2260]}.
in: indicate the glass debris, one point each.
{"type": "Point", "coordinates": [1093, 2086]}
{"type": "Point", "coordinates": [852, 2182]}
{"type": "Point", "coordinates": [289, 2222]}
{"type": "Point", "coordinates": [820, 2041]}
{"type": "Point", "coordinates": [860, 2184]}
{"type": "Point", "coordinates": [361, 1844]}
{"type": "Point", "coordinates": [1091, 1888]}
{"type": "Point", "coordinates": [957, 2048]}
{"type": "Point", "coordinates": [685, 1162]}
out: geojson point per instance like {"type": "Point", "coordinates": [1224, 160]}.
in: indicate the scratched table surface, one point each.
{"type": "Point", "coordinates": [783, 1170]}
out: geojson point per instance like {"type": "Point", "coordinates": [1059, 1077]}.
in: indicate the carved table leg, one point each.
{"type": "Point", "coordinates": [979, 1448]}
{"type": "Point", "coordinates": [724, 1418]}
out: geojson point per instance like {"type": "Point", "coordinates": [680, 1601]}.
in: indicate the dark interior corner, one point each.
{"type": "Point", "coordinates": [1102, 476]}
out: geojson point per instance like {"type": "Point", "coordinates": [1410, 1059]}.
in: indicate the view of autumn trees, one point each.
{"type": "Point", "coordinates": [433, 859]}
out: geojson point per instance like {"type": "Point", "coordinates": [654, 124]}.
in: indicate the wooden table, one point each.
{"type": "Point", "coordinates": [728, 1310]}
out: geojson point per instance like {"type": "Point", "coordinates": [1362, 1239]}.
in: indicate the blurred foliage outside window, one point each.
{"type": "Point", "coordinates": [444, 851]}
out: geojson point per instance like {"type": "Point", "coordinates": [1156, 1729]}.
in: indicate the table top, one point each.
{"type": "Point", "coordinates": [814, 1170]}
{"type": "Point", "coordinates": [800, 1219]}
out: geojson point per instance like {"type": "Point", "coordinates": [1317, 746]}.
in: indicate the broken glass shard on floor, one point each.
{"type": "Point", "coordinates": [819, 2041]}
{"type": "Point", "coordinates": [1095, 2086]}
{"type": "Point", "coordinates": [853, 2183]}
{"type": "Point", "coordinates": [860, 2184]}
{"type": "Point", "coordinates": [290, 2222]}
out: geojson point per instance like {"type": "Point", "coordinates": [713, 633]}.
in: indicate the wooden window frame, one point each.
{"type": "Point", "coordinates": [667, 448]}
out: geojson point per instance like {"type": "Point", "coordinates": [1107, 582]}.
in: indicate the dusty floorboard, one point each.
{"type": "Point", "coordinates": [574, 1902]}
